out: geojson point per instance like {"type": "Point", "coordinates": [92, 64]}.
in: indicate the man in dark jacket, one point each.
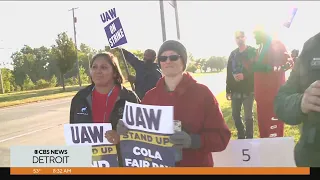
{"type": "Point", "coordinates": [240, 86]}
{"type": "Point", "coordinates": [147, 71]}
{"type": "Point", "coordinates": [298, 102]}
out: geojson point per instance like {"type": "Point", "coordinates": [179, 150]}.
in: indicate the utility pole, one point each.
{"type": "Point", "coordinates": [89, 60]}
{"type": "Point", "coordinates": [163, 23]}
{"type": "Point", "coordinates": [2, 89]}
{"type": "Point", "coordinates": [177, 17]}
{"type": "Point", "coordinates": [74, 20]}
{"type": "Point", "coordinates": [173, 3]}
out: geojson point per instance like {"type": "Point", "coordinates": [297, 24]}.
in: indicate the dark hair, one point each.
{"type": "Point", "coordinates": [152, 52]}
{"type": "Point", "coordinates": [113, 61]}
{"type": "Point", "coordinates": [239, 32]}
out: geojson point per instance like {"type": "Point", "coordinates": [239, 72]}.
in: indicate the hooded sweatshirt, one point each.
{"type": "Point", "coordinates": [199, 112]}
{"type": "Point", "coordinates": [267, 83]}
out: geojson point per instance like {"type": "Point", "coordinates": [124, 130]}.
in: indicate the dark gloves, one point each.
{"type": "Point", "coordinates": [122, 128]}
{"type": "Point", "coordinates": [182, 139]}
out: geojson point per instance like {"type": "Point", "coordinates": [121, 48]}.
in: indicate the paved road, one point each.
{"type": "Point", "coordinates": [42, 123]}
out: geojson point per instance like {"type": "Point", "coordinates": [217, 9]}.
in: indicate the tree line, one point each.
{"type": "Point", "coordinates": [213, 63]}
{"type": "Point", "coordinates": [44, 67]}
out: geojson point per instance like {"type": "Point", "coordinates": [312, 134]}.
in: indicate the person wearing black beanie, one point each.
{"type": "Point", "coordinates": [178, 48]}
{"type": "Point", "coordinates": [203, 127]}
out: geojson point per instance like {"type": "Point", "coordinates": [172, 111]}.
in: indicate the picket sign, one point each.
{"type": "Point", "coordinates": [261, 152]}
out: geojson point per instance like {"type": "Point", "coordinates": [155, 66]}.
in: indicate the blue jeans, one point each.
{"type": "Point", "coordinates": [237, 100]}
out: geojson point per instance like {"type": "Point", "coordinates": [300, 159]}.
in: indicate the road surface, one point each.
{"type": "Point", "coordinates": [42, 123]}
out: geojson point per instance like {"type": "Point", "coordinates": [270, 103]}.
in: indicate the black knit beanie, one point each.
{"type": "Point", "coordinates": [177, 47]}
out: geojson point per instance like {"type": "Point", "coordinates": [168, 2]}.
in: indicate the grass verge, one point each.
{"type": "Point", "coordinates": [225, 105]}
{"type": "Point", "coordinates": [24, 97]}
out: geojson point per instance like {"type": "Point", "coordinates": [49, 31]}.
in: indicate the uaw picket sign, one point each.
{"type": "Point", "coordinates": [104, 153]}
{"type": "Point", "coordinates": [114, 31]}
{"type": "Point", "coordinates": [147, 142]}
{"type": "Point", "coordinates": [262, 152]}
{"type": "Point", "coordinates": [86, 134]}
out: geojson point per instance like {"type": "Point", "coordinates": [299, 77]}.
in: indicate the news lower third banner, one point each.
{"type": "Point", "coordinates": [50, 156]}
{"type": "Point", "coordinates": [167, 171]}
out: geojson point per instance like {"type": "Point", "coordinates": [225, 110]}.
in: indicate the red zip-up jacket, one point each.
{"type": "Point", "coordinates": [199, 112]}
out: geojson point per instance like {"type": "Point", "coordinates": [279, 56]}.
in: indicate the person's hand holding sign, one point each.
{"type": "Point", "coordinates": [112, 136]}
{"type": "Point", "coordinates": [122, 128]}
{"type": "Point", "coordinates": [238, 77]}
{"type": "Point", "coordinates": [228, 96]}
{"type": "Point", "coordinates": [182, 139]}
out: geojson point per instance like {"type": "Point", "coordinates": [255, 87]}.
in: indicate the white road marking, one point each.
{"type": "Point", "coordinates": [28, 133]}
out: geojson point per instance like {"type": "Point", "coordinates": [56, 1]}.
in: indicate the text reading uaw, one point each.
{"type": "Point", "coordinates": [49, 156]}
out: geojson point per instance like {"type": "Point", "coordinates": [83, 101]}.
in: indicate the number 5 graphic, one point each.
{"type": "Point", "coordinates": [245, 153]}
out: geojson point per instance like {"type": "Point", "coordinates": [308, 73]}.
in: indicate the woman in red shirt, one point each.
{"type": "Point", "coordinates": [102, 101]}
{"type": "Point", "coordinates": [203, 127]}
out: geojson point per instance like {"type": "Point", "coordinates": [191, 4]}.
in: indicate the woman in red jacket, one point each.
{"type": "Point", "coordinates": [203, 127]}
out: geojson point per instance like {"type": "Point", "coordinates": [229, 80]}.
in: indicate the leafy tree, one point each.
{"type": "Point", "coordinates": [191, 58]}
{"type": "Point", "coordinates": [41, 83]}
{"type": "Point", "coordinates": [192, 68]}
{"type": "Point", "coordinates": [138, 53]}
{"type": "Point", "coordinates": [53, 81]}
{"type": "Point", "coordinates": [53, 66]}
{"type": "Point", "coordinates": [8, 80]}
{"type": "Point", "coordinates": [200, 64]}
{"type": "Point", "coordinates": [65, 53]}
{"type": "Point", "coordinates": [83, 75]}
{"type": "Point", "coordinates": [28, 84]}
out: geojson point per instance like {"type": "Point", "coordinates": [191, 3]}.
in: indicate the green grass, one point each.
{"type": "Point", "coordinates": [225, 105]}
{"type": "Point", "coordinates": [23, 97]}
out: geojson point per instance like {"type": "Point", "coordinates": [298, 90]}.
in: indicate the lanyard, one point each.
{"type": "Point", "coordinates": [109, 94]}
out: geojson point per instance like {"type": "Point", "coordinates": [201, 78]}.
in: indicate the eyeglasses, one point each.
{"type": "Point", "coordinates": [171, 58]}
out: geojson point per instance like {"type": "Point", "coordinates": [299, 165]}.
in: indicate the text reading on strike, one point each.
{"type": "Point", "coordinates": [116, 37]}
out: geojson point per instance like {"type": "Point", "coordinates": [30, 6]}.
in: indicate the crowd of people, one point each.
{"type": "Point", "coordinates": [252, 74]}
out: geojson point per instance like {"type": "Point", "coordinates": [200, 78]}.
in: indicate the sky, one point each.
{"type": "Point", "coordinates": [207, 27]}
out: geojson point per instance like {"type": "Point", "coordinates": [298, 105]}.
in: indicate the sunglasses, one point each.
{"type": "Point", "coordinates": [171, 58]}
